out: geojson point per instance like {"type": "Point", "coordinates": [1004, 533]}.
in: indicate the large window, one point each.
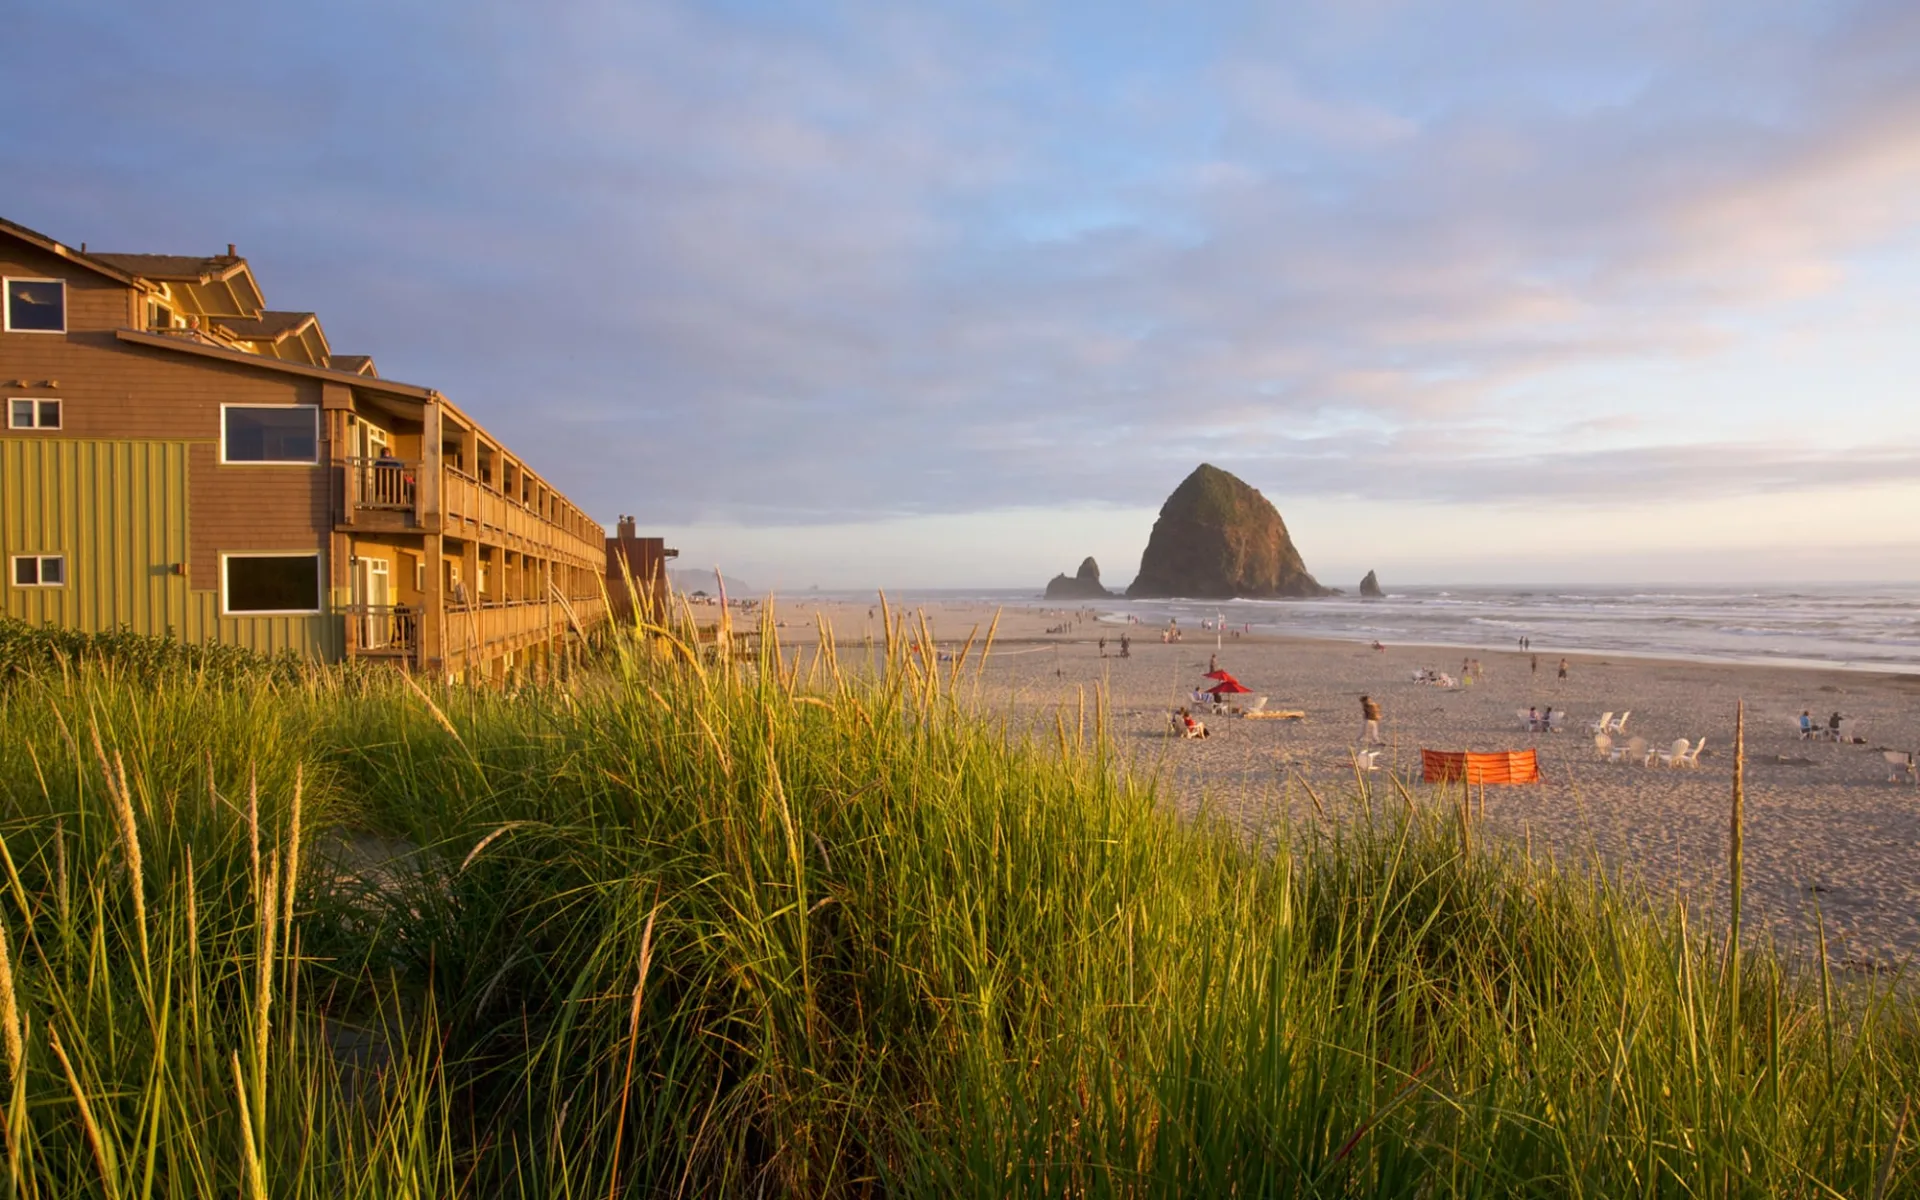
{"type": "Point", "coordinates": [28, 413]}
{"type": "Point", "coordinates": [39, 570]}
{"type": "Point", "coordinates": [269, 583]}
{"type": "Point", "coordinates": [36, 305]}
{"type": "Point", "coordinates": [261, 434]}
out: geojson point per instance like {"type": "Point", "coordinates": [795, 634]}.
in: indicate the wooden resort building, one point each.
{"type": "Point", "coordinates": [180, 459]}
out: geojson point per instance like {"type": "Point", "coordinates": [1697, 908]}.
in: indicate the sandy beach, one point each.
{"type": "Point", "coordinates": [1827, 834]}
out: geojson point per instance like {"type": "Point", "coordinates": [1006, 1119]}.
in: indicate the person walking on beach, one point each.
{"type": "Point", "coordinates": [1370, 713]}
{"type": "Point", "coordinates": [1563, 670]}
{"type": "Point", "coordinates": [1126, 646]}
{"type": "Point", "coordinates": [1103, 645]}
{"type": "Point", "coordinates": [1213, 663]}
{"type": "Point", "coordinates": [1536, 664]}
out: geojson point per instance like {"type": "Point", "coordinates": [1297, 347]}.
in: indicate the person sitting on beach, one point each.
{"type": "Point", "coordinates": [1833, 726]}
{"type": "Point", "coordinates": [1195, 729]}
{"type": "Point", "coordinates": [1806, 724]}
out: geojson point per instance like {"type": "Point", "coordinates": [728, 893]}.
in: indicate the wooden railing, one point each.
{"type": "Point", "coordinates": [464, 498]}
{"type": "Point", "coordinates": [479, 631]}
{"type": "Point", "coordinates": [383, 630]}
{"type": "Point", "coordinates": [383, 483]}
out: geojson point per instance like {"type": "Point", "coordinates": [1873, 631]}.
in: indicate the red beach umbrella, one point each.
{"type": "Point", "coordinates": [1228, 687]}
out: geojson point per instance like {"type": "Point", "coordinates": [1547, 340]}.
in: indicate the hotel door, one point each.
{"type": "Point", "coordinates": [373, 597]}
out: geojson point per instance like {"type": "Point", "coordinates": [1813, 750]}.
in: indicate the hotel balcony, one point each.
{"type": "Point", "coordinates": [385, 495]}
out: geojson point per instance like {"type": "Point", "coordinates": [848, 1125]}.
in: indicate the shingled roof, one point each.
{"type": "Point", "coordinates": [175, 268]}
{"type": "Point", "coordinates": [269, 326]}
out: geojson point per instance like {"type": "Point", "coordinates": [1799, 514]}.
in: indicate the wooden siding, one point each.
{"type": "Point", "coordinates": [236, 508]}
{"type": "Point", "coordinates": [120, 514]}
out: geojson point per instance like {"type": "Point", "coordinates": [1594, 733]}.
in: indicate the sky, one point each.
{"type": "Point", "coordinates": [849, 294]}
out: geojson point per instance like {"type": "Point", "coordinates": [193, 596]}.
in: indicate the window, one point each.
{"type": "Point", "coordinates": [261, 434]}
{"type": "Point", "coordinates": [36, 306]}
{"type": "Point", "coordinates": [33, 414]}
{"type": "Point", "coordinates": [39, 570]}
{"type": "Point", "coordinates": [270, 583]}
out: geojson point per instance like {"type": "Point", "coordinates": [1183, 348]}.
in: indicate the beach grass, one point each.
{"type": "Point", "coordinates": [688, 925]}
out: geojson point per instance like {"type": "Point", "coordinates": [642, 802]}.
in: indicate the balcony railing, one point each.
{"type": "Point", "coordinates": [383, 629]}
{"type": "Point", "coordinates": [464, 497]}
{"type": "Point", "coordinates": [384, 483]}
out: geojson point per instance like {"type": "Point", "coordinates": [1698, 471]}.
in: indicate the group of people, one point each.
{"type": "Point", "coordinates": [1810, 728]}
{"type": "Point", "coordinates": [1539, 722]}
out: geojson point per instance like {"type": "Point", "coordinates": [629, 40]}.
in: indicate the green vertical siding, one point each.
{"type": "Point", "coordinates": [118, 512]}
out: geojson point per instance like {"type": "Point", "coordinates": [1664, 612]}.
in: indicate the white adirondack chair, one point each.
{"type": "Point", "coordinates": [1900, 762]}
{"type": "Point", "coordinates": [1620, 725]}
{"type": "Point", "coordinates": [1634, 751]}
{"type": "Point", "coordinates": [1675, 755]}
{"type": "Point", "coordinates": [1604, 724]}
{"type": "Point", "coordinates": [1603, 746]}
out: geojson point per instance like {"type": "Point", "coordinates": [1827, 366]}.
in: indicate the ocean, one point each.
{"type": "Point", "coordinates": [1869, 626]}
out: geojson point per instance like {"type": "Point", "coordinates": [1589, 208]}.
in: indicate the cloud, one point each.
{"type": "Point", "coordinates": [848, 262]}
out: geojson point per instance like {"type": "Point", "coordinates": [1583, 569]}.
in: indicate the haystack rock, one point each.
{"type": "Point", "coordinates": [1218, 538]}
{"type": "Point", "coordinates": [1083, 585]}
{"type": "Point", "coordinates": [1370, 587]}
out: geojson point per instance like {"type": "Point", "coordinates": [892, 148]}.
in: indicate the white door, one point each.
{"type": "Point", "coordinates": [373, 591]}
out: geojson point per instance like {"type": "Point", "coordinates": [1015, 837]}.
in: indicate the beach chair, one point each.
{"type": "Point", "coordinates": [1620, 726]}
{"type": "Point", "coordinates": [1366, 760]}
{"type": "Point", "coordinates": [1900, 762]}
{"type": "Point", "coordinates": [1603, 746]}
{"type": "Point", "coordinates": [1526, 722]}
{"type": "Point", "coordinates": [1675, 755]}
{"type": "Point", "coordinates": [1259, 702]}
{"type": "Point", "coordinates": [1634, 751]}
{"type": "Point", "coordinates": [1604, 724]}
{"type": "Point", "coordinates": [1555, 723]}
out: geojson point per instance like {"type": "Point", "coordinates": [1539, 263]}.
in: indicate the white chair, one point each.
{"type": "Point", "coordinates": [1900, 762]}
{"type": "Point", "coordinates": [1620, 726]}
{"type": "Point", "coordinates": [1259, 702]}
{"type": "Point", "coordinates": [1692, 760]}
{"type": "Point", "coordinates": [1603, 746]}
{"type": "Point", "coordinates": [1526, 722]}
{"type": "Point", "coordinates": [1604, 724]}
{"type": "Point", "coordinates": [1674, 755]}
{"type": "Point", "coordinates": [1366, 760]}
{"type": "Point", "coordinates": [1555, 723]}
{"type": "Point", "coordinates": [1634, 751]}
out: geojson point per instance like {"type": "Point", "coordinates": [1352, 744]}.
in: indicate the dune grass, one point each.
{"type": "Point", "coordinates": [693, 928]}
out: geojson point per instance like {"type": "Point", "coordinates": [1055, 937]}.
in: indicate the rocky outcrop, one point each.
{"type": "Point", "coordinates": [1370, 587]}
{"type": "Point", "coordinates": [1082, 585]}
{"type": "Point", "coordinates": [1218, 538]}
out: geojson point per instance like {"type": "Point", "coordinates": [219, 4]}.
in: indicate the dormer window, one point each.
{"type": "Point", "coordinates": [160, 316]}
{"type": "Point", "coordinates": [36, 305]}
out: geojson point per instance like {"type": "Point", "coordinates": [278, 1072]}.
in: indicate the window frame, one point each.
{"type": "Point", "coordinates": [60, 408]}
{"type": "Point", "coordinates": [312, 409]}
{"type": "Point", "coordinates": [319, 591]}
{"type": "Point", "coordinates": [6, 302]}
{"type": "Point", "coordinates": [39, 570]}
